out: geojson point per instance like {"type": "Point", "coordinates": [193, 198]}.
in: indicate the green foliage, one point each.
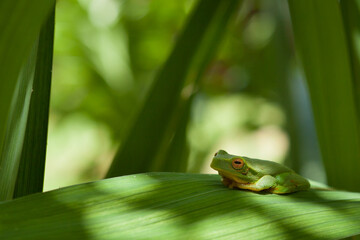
{"type": "Point", "coordinates": [23, 157]}
{"type": "Point", "coordinates": [30, 178]}
{"type": "Point", "coordinates": [14, 138]}
{"type": "Point", "coordinates": [323, 50]}
{"type": "Point", "coordinates": [178, 206]}
{"type": "Point", "coordinates": [103, 69]}
{"type": "Point", "coordinates": [149, 128]}
{"type": "Point", "coordinates": [351, 18]}
{"type": "Point", "coordinates": [20, 24]}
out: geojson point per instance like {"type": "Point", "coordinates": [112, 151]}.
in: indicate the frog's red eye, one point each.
{"type": "Point", "coordinates": [237, 163]}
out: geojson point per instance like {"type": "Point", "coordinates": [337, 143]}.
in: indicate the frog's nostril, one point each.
{"type": "Point", "coordinates": [215, 154]}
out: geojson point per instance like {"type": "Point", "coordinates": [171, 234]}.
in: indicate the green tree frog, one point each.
{"type": "Point", "coordinates": [257, 175]}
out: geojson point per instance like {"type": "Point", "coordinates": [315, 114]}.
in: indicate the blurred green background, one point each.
{"type": "Point", "coordinates": [252, 100]}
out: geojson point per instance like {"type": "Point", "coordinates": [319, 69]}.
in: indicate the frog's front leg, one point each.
{"type": "Point", "coordinates": [265, 182]}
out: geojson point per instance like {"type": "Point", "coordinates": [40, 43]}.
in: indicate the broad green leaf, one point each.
{"type": "Point", "coordinates": [322, 48]}
{"type": "Point", "coordinates": [14, 137]}
{"type": "Point", "coordinates": [30, 176]}
{"type": "Point", "coordinates": [20, 23]}
{"type": "Point", "coordinates": [149, 128]}
{"type": "Point", "coordinates": [178, 206]}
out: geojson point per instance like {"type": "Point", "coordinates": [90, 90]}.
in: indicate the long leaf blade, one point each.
{"type": "Point", "coordinates": [20, 23]}
{"type": "Point", "coordinates": [351, 15]}
{"type": "Point", "coordinates": [173, 153]}
{"type": "Point", "coordinates": [15, 131]}
{"type": "Point", "coordinates": [30, 176]}
{"type": "Point", "coordinates": [146, 135]}
{"type": "Point", "coordinates": [178, 206]}
{"type": "Point", "coordinates": [321, 44]}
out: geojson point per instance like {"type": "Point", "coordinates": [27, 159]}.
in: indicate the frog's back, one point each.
{"type": "Point", "coordinates": [266, 167]}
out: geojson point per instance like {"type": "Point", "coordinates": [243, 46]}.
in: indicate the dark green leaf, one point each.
{"type": "Point", "coordinates": [31, 170]}
{"type": "Point", "coordinates": [14, 138]}
{"type": "Point", "coordinates": [20, 23]}
{"type": "Point", "coordinates": [322, 47]}
{"type": "Point", "coordinates": [351, 16]}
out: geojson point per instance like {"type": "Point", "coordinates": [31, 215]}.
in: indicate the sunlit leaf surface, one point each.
{"type": "Point", "coordinates": [178, 206]}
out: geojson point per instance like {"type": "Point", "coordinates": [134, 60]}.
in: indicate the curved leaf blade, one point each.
{"type": "Point", "coordinates": [178, 206]}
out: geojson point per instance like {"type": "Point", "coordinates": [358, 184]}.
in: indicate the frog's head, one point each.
{"type": "Point", "coordinates": [233, 167]}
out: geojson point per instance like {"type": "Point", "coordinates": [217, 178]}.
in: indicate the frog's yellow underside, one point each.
{"type": "Point", "coordinates": [232, 182]}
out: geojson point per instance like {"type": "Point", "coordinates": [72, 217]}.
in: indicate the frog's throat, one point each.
{"type": "Point", "coordinates": [231, 177]}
